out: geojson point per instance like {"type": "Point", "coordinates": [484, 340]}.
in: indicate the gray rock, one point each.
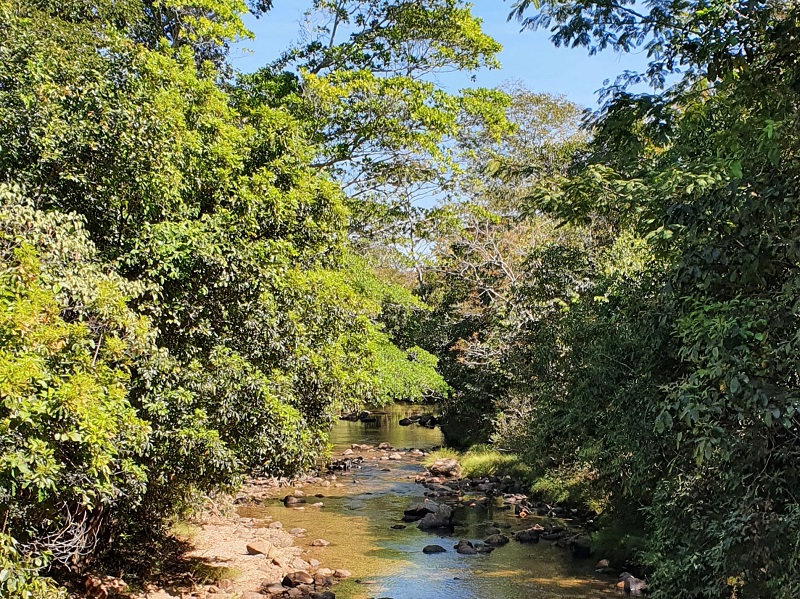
{"type": "Point", "coordinates": [527, 536]}
{"type": "Point", "coordinates": [433, 549]}
{"type": "Point", "coordinates": [441, 518]}
{"type": "Point", "coordinates": [419, 510]}
{"type": "Point", "coordinates": [633, 585]}
{"type": "Point", "coordinates": [464, 547]}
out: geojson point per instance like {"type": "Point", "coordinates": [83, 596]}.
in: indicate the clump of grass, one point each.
{"type": "Point", "coordinates": [184, 531]}
{"type": "Point", "coordinates": [440, 454]}
{"type": "Point", "coordinates": [206, 573]}
{"type": "Point", "coordinates": [483, 460]}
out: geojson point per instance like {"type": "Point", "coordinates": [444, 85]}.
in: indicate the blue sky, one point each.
{"type": "Point", "coordinates": [527, 56]}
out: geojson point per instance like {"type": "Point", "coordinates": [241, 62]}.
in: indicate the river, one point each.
{"type": "Point", "coordinates": [357, 517]}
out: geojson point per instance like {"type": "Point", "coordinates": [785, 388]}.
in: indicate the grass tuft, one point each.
{"type": "Point", "coordinates": [483, 460]}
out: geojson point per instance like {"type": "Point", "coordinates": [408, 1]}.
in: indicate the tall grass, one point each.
{"type": "Point", "coordinates": [483, 460]}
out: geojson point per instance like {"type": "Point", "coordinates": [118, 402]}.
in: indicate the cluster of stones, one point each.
{"type": "Point", "coordinates": [299, 579]}
{"type": "Point", "coordinates": [426, 420]}
{"type": "Point", "coordinates": [443, 479]}
{"type": "Point", "coordinates": [362, 416]}
{"type": "Point", "coordinates": [357, 455]}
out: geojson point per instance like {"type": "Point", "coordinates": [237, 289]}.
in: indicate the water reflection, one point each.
{"type": "Point", "coordinates": [360, 509]}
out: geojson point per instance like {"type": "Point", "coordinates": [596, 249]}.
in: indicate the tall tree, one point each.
{"type": "Point", "coordinates": [706, 171]}
{"type": "Point", "coordinates": [366, 87]}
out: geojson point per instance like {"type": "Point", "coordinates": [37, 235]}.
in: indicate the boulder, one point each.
{"type": "Point", "coordinates": [433, 549]}
{"type": "Point", "coordinates": [323, 595]}
{"type": "Point", "coordinates": [260, 548]}
{"type": "Point", "coordinates": [339, 573]}
{"type": "Point", "coordinates": [292, 500]}
{"type": "Point", "coordinates": [630, 584]}
{"type": "Point", "coordinates": [419, 510]}
{"type": "Point", "coordinates": [445, 467]}
{"type": "Point", "coordinates": [320, 543]}
{"type": "Point", "coordinates": [294, 579]}
{"type": "Point", "coordinates": [441, 518]}
{"type": "Point", "coordinates": [275, 589]}
{"type": "Point", "coordinates": [321, 581]}
{"type": "Point", "coordinates": [496, 540]}
{"type": "Point", "coordinates": [527, 536]}
{"type": "Point", "coordinates": [405, 422]}
{"type": "Point", "coordinates": [464, 547]}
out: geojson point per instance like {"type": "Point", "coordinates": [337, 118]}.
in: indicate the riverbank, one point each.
{"type": "Point", "coordinates": [358, 511]}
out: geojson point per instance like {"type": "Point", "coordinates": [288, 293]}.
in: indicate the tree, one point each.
{"type": "Point", "coordinates": [194, 286]}
{"type": "Point", "coordinates": [705, 172]}
{"type": "Point", "coordinates": [480, 268]}
{"type": "Point", "coordinates": [366, 90]}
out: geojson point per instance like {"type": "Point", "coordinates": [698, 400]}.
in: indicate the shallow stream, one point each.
{"type": "Point", "coordinates": [357, 517]}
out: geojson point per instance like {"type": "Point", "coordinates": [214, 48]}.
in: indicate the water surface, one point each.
{"type": "Point", "coordinates": [358, 514]}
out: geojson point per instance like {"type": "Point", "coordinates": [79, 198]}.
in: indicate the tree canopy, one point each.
{"type": "Point", "coordinates": [199, 269]}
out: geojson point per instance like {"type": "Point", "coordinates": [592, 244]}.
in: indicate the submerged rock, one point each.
{"type": "Point", "coordinates": [496, 540]}
{"type": "Point", "coordinates": [465, 547]}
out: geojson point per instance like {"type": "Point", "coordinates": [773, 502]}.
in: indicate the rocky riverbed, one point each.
{"type": "Point", "coordinates": [377, 524]}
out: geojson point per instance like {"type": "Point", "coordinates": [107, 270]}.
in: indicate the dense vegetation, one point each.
{"type": "Point", "coordinates": [179, 303]}
{"type": "Point", "coordinates": [628, 321]}
{"type": "Point", "coordinates": [199, 269]}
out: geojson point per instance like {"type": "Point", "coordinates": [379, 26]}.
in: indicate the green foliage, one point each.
{"type": "Point", "coordinates": [697, 347]}
{"type": "Point", "coordinates": [71, 441]}
{"type": "Point", "coordinates": [384, 129]}
{"type": "Point", "coordinates": [406, 375]}
{"type": "Point", "coordinates": [19, 574]}
{"type": "Point", "coordinates": [179, 303]}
